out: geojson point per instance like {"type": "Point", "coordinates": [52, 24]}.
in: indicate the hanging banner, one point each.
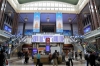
{"type": "Point", "coordinates": [36, 23]}
{"type": "Point", "coordinates": [59, 22]}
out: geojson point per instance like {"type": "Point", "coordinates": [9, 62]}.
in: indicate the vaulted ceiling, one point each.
{"type": "Point", "coordinates": [74, 2]}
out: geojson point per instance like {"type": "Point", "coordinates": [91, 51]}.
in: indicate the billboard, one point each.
{"type": "Point", "coordinates": [59, 22]}
{"type": "Point", "coordinates": [36, 23]}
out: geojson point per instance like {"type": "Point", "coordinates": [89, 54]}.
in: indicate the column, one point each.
{"type": "Point", "coordinates": [80, 24]}
{"type": "Point", "coordinates": [71, 26]}
{"type": "Point", "coordinates": [24, 24]}
{"type": "Point", "coordinates": [93, 12]}
{"type": "Point", "coordinates": [3, 4]}
{"type": "Point", "coordinates": [15, 24]}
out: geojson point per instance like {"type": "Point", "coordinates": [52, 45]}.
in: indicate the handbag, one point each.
{"type": "Point", "coordinates": [6, 62]}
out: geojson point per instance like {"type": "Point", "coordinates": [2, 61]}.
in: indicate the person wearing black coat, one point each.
{"type": "Point", "coordinates": [2, 58]}
{"type": "Point", "coordinates": [92, 59]}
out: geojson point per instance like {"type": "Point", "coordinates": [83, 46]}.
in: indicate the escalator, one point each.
{"type": "Point", "coordinates": [76, 44]}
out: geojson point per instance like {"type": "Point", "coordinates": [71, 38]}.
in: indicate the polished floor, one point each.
{"type": "Point", "coordinates": [14, 61]}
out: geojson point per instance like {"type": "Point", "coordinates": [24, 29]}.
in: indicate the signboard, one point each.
{"type": "Point", "coordinates": [47, 40]}
{"type": "Point", "coordinates": [36, 23]}
{"type": "Point", "coordinates": [42, 38]}
{"type": "Point", "coordinates": [59, 22]}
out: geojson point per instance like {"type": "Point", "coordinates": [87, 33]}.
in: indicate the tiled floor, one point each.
{"type": "Point", "coordinates": [20, 62]}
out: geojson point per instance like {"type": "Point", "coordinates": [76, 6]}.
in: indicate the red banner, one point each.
{"type": "Point", "coordinates": [47, 40]}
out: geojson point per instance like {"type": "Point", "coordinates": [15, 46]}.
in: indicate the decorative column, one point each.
{"type": "Point", "coordinates": [24, 24]}
{"type": "Point", "coordinates": [80, 24]}
{"type": "Point", "coordinates": [71, 26]}
{"type": "Point", "coordinates": [3, 4]}
{"type": "Point", "coordinates": [94, 14]}
{"type": "Point", "coordinates": [15, 24]}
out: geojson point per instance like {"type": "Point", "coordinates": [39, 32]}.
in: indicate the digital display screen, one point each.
{"type": "Point", "coordinates": [35, 50]}
{"type": "Point", "coordinates": [67, 32]}
{"type": "Point", "coordinates": [28, 31]}
{"type": "Point", "coordinates": [87, 29]}
{"type": "Point", "coordinates": [7, 28]}
{"type": "Point", "coordinates": [47, 47]}
{"type": "Point", "coordinates": [42, 38]}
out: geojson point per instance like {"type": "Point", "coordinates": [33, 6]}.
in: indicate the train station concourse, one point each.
{"type": "Point", "coordinates": [49, 32]}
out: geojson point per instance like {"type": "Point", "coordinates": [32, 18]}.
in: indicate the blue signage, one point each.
{"type": "Point", "coordinates": [36, 23]}
{"type": "Point", "coordinates": [59, 22]}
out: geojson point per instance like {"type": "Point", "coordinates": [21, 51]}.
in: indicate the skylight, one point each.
{"type": "Point", "coordinates": [48, 6]}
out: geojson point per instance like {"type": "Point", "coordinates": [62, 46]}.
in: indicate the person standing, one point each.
{"type": "Point", "coordinates": [87, 58]}
{"type": "Point", "coordinates": [38, 58]}
{"type": "Point", "coordinates": [54, 57]}
{"type": "Point", "coordinates": [70, 58]}
{"type": "Point", "coordinates": [92, 59]}
{"type": "Point", "coordinates": [63, 56]}
{"type": "Point", "coordinates": [80, 54]}
{"type": "Point", "coordinates": [75, 55]}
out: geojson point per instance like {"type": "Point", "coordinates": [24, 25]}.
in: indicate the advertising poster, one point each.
{"type": "Point", "coordinates": [59, 22]}
{"type": "Point", "coordinates": [36, 22]}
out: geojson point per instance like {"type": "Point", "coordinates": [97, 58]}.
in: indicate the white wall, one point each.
{"type": "Point", "coordinates": [66, 27]}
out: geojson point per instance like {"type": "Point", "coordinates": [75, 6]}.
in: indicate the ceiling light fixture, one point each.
{"type": "Point", "coordinates": [69, 19]}
{"type": "Point", "coordinates": [9, 13]}
{"type": "Point", "coordinates": [26, 19]}
{"type": "Point", "coordinates": [48, 18]}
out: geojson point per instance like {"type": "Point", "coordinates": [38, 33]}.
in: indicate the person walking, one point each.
{"type": "Point", "coordinates": [92, 59]}
{"type": "Point", "coordinates": [38, 58]}
{"type": "Point", "coordinates": [54, 57]}
{"type": "Point", "coordinates": [70, 58]}
{"type": "Point", "coordinates": [26, 57]}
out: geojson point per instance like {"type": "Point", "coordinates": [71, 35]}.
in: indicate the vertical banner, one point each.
{"type": "Point", "coordinates": [59, 22]}
{"type": "Point", "coordinates": [36, 23]}
{"type": "Point", "coordinates": [47, 40]}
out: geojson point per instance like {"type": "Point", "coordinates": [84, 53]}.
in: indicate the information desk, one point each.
{"type": "Point", "coordinates": [45, 59]}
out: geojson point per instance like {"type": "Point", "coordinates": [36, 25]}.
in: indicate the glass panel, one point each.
{"type": "Point", "coordinates": [43, 8]}
{"type": "Point", "coordinates": [31, 8]}
{"type": "Point", "coordinates": [52, 4]}
{"type": "Point", "coordinates": [60, 8]}
{"type": "Point", "coordinates": [48, 8]}
{"type": "Point", "coordinates": [35, 8]}
{"type": "Point", "coordinates": [44, 4]}
{"type": "Point", "coordinates": [60, 5]}
{"type": "Point", "coordinates": [22, 8]}
{"type": "Point", "coordinates": [27, 8]}
{"type": "Point", "coordinates": [48, 4]}
{"type": "Point", "coordinates": [52, 8]}
{"type": "Point", "coordinates": [56, 8]}
{"type": "Point", "coordinates": [64, 8]}
{"type": "Point", "coordinates": [56, 4]}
